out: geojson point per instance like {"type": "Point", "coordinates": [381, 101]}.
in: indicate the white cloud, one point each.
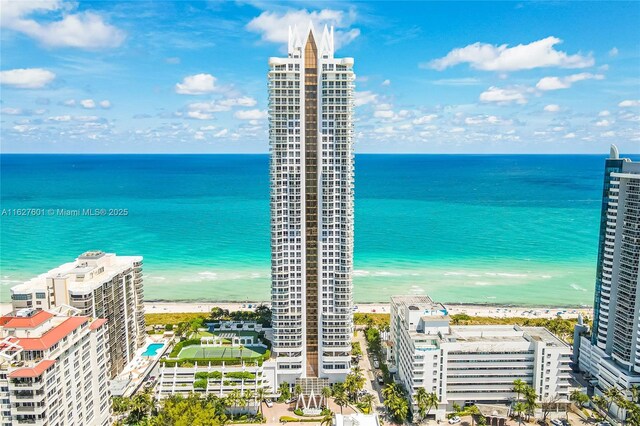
{"type": "Point", "coordinates": [603, 123]}
{"type": "Point", "coordinates": [199, 136]}
{"type": "Point", "coordinates": [608, 134]}
{"type": "Point", "coordinates": [27, 78]}
{"type": "Point", "coordinates": [198, 84]}
{"type": "Point", "coordinates": [490, 57]}
{"type": "Point", "coordinates": [60, 118]}
{"type": "Point", "coordinates": [629, 103]}
{"type": "Point", "coordinates": [199, 115]}
{"type": "Point", "coordinates": [457, 130]}
{"type": "Point", "coordinates": [243, 101]}
{"type": "Point", "coordinates": [425, 119]}
{"type": "Point", "coordinates": [384, 114]}
{"type": "Point", "coordinates": [486, 119]}
{"type": "Point", "coordinates": [569, 136]}
{"type": "Point", "coordinates": [365, 97]}
{"type": "Point", "coordinates": [604, 113]}
{"type": "Point", "coordinates": [552, 108]}
{"type": "Point", "coordinates": [11, 111]}
{"type": "Point", "coordinates": [105, 104]}
{"type": "Point", "coordinates": [221, 133]}
{"type": "Point", "coordinates": [387, 130]}
{"type": "Point", "coordinates": [503, 96]}
{"type": "Point", "coordinates": [88, 103]}
{"type": "Point", "coordinates": [556, 83]}
{"type": "Point", "coordinates": [251, 114]}
{"type": "Point", "coordinates": [613, 52]}
{"type": "Point", "coordinates": [69, 103]}
{"type": "Point", "coordinates": [84, 30]}
{"type": "Point", "coordinates": [274, 26]}
{"type": "Point", "coordinates": [387, 82]}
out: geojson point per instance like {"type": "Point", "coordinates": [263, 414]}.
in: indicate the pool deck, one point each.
{"type": "Point", "coordinates": [135, 373]}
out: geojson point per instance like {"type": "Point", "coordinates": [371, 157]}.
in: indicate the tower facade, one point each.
{"type": "Point", "coordinates": [611, 355]}
{"type": "Point", "coordinates": [616, 327]}
{"type": "Point", "coordinates": [311, 102]}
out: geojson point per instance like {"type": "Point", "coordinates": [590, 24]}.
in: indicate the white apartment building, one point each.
{"type": "Point", "coordinates": [53, 369]}
{"type": "Point", "coordinates": [99, 285]}
{"type": "Point", "coordinates": [472, 364]}
{"type": "Point", "coordinates": [611, 355]}
{"type": "Point", "coordinates": [311, 103]}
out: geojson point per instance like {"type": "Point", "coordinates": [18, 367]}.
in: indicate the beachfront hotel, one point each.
{"type": "Point", "coordinates": [610, 355]}
{"type": "Point", "coordinates": [99, 285]}
{"type": "Point", "coordinates": [472, 364]}
{"type": "Point", "coordinates": [311, 102]}
{"type": "Point", "coordinates": [53, 369]}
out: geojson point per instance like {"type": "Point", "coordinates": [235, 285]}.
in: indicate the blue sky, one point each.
{"type": "Point", "coordinates": [446, 77]}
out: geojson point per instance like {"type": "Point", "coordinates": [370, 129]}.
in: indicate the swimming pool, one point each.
{"type": "Point", "coordinates": [152, 349]}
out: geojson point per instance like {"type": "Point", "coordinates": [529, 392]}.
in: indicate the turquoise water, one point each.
{"type": "Point", "coordinates": [152, 349]}
{"type": "Point", "coordinates": [461, 228]}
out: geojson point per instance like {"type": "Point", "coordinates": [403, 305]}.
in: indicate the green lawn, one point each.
{"type": "Point", "coordinates": [197, 351]}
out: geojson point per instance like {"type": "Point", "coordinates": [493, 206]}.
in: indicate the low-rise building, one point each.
{"type": "Point", "coordinates": [99, 285]}
{"type": "Point", "coordinates": [230, 357]}
{"type": "Point", "coordinates": [469, 364]}
{"type": "Point", "coordinates": [53, 369]}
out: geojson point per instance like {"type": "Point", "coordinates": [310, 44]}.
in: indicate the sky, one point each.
{"type": "Point", "coordinates": [432, 77]}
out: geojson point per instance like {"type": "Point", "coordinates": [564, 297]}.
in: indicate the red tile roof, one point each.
{"type": "Point", "coordinates": [98, 323]}
{"type": "Point", "coordinates": [25, 322]}
{"type": "Point", "coordinates": [52, 336]}
{"type": "Point", "coordinates": [36, 371]}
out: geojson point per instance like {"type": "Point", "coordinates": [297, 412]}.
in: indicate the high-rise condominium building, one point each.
{"type": "Point", "coordinates": [311, 137]}
{"type": "Point", "coordinates": [99, 285]}
{"type": "Point", "coordinates": [53, 369]}
{"type": "Point", "coordinates": [612, 354]}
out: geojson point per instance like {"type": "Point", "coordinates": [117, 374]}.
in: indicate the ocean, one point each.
{"type": "Point", "coordinates": [497, 229]}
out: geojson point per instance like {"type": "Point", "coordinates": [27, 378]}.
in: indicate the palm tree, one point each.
{"type": "Point", "coordinates": [284, 390]}
{"type": "Point", "coordinates": [233, 400]}
{"type": "Point", "coordinates": [249, 395]}
{"type": "Point", "coordinates": [261, 394]}
{"type": "Point", "coordinates": [340, 396]}
{"type": "Point", "coordinates": [612, 395]}
{"type": "Point", "coordinates": [326, 393]}
{"type": "Point", "coordinates": [600, 403]}
{"type": "Point", "coordinates": [530, 399]}
{"type": "Point", "coordinates": [635, 393]}
{"type": "Point", "coordinates": [519, 408]}
{"type": "Point", "coordinates": [368, 399]}
{"type": "Point", "coordinates": [421, 401]}
{"type": "Point", "coordinates": [473, 411]}
{"type": "Point", "coordinates": [519, 387]}
{"type": "Point", "coordinates": [579, 398]}
{"type": "Point", "coordinates": [327, 420]}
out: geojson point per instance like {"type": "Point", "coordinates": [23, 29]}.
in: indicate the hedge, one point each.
{"type": "Point", "coordinates": [178, 347]}
{"type": "Point", "coordinates": [201, 384]}
{"type": "Point", "coordinates": [285, 419]}
{"type": "Point", "coordinates": [190, 362]}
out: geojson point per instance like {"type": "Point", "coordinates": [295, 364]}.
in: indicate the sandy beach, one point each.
{"type": "Point", "coordinates": [472, 310]}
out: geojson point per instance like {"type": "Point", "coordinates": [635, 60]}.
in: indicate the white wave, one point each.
{"type": "Point", "coordinates": [577, 287]}
{"type": "Point", "coordinates": [481, 283]}
{"type": "Point", "coordinates": [361, 273]}
{"type": "Point", "coordinates": [208, 274]}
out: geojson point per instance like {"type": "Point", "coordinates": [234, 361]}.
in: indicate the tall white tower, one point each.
{"type": "Point", "coordinates": [311, 102]}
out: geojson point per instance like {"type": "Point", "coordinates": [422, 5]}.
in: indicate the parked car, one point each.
{"type": "Point", "coordinates": [453, 420]}
{"type": "Point", "coordinates": [556, 422]}
{"type": "Point", "coordinates": [603, 424]}
{"type": "Point", "coordinates": [376, 364]}
{"type": "Point", "coordinates": [268, 402]}
{"type": "Point", "coordinates": [380, 379]}
{"type": "Point", "coordinates": [291, 400]}
{"type": "Point", "coordinates": [566, 422]}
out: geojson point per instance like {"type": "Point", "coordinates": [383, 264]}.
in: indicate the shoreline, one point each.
{"type": "Point", "coordinates": [471, 309]}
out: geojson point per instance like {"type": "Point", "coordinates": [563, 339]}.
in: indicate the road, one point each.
{"type": "Point", "coordinates": [371, 384]}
